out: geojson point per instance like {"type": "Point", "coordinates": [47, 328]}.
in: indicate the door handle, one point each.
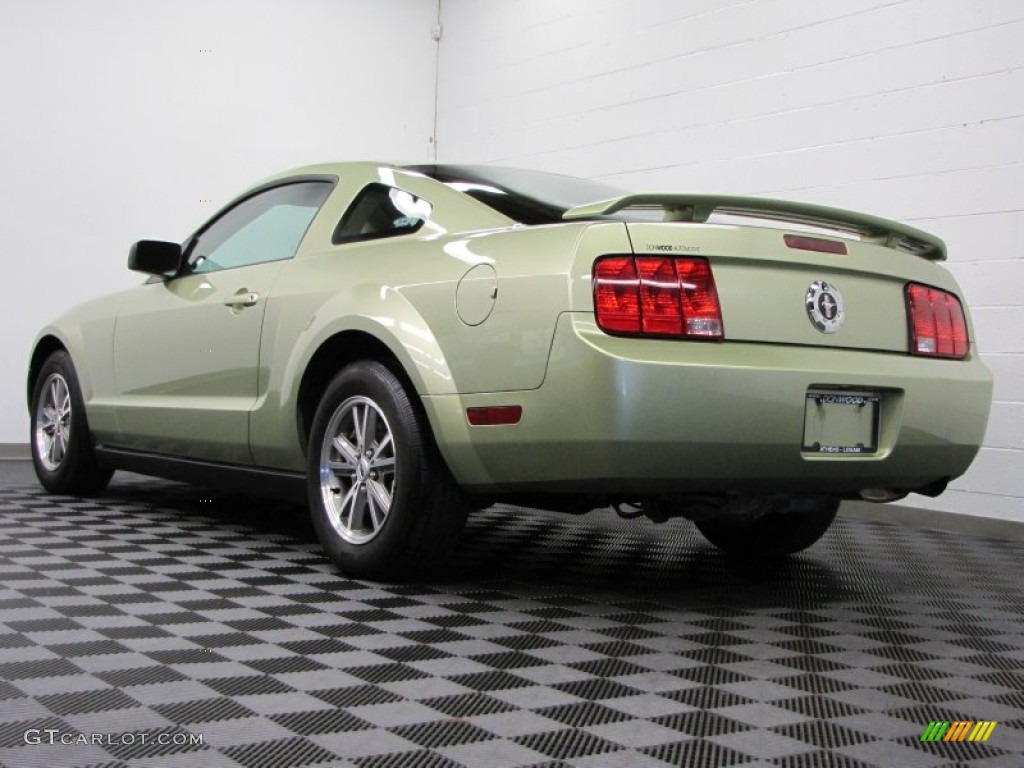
{"type": "Point", "coordinates": [243, 298]}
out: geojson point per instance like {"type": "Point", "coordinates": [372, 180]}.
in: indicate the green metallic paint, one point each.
{"type": "Point", "coordinates": [670, 416]}
{"type": "Point", "coordinates": [600, 413]}
{"type": "Point", "coordinates": [86, 332]}
{"type": "Point", "coordinates": [191, 381]}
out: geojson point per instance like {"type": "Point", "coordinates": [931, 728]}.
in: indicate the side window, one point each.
{"type": "Point", "coordinates": [381, 211]}
{"type": "Point", "coordinates": [265, 227]}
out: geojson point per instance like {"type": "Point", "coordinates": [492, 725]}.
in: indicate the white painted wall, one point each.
{"type": "Point", "coordinates": [910, 109]}
{"type": "Point", "coordinates": [115, 126]}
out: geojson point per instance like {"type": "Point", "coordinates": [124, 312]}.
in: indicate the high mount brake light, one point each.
{"type": "Point", "coordinates": [938, 327]}
{"type": "Point", "coordinates": [819, 244]}
{"type": "Point", "coordinates": [657, 296]}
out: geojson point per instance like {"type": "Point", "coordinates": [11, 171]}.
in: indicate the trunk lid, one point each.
{"type": "Point", "coordinates": [789, 273]}
{"type": "Point", "coordinates": [772, 292]}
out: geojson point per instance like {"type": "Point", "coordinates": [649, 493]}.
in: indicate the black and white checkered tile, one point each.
{"type": "Point", "coordinates": [177, 627]}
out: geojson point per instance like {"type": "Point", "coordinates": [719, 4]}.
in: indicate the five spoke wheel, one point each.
{"type": "Point", "coordinates": [53, 422]}
{"type": "Point", "coordinates": [381, 499]}
{"type": "Point", "coordinates": [62, 446]}
{"type": "Point", "coordinates": [357, 469]}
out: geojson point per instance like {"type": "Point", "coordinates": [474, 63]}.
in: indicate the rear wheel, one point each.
{"type": "Point", "coordinates": [382, 500]}
{"type": "Point", "coordinates": [62, 451]}
{"type": "Point", "coordinates": [771, 526]}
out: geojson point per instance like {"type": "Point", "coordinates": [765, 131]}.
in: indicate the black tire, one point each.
{"type": "Point", "coordinates": [785, 525]}
{"type": "Point", "coordinates": [349, 480]}
{"type": "Point", "coordinates": [62, 446]}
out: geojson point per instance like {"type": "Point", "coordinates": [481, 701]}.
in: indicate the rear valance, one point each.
{"type": "Point", "coordinates": [698, 208]}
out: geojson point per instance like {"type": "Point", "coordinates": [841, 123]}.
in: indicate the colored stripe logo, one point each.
{"type": "Point", "coordinates": [958, 730]}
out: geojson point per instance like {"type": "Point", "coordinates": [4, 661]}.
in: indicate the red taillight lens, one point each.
{"type": "Point", "coordinates": [660, 311]}
{"type": "Point", "coordinates": [700, 299]}
{"type": "Point", "coordinates": [657, 296]}
{"type": "Point", "coordinates": [617, 295]}
{"type": "Point", "coordinates": [938, 327]}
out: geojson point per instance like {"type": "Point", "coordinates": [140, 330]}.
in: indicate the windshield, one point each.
{"type": "Point", "coordinates": [529, 197]}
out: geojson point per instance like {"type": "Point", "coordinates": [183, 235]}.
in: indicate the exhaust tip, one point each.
{"type": "Point", "coordinates": [881, 495]}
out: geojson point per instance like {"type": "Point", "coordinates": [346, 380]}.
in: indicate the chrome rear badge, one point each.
{"type": "Point", "coordinates": [825, 306]}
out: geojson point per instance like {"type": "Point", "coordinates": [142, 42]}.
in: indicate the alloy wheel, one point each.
{"type": "Point", "coordinates": [357, 469]}
{"type": "Point", "coordinates": [53, 422]}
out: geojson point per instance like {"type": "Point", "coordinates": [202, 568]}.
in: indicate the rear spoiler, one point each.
{"type": "Point", "coordinates": [697, 208]}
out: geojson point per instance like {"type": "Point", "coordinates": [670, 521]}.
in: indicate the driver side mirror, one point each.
{"type": "Point", "coordinates": [155, 257]}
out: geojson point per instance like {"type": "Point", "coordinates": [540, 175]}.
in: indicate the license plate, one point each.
{"type": "Point", "coordinates": [841, 422]}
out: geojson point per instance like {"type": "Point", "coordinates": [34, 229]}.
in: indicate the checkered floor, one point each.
{"type": "Point", "coordinates": [177, 627]}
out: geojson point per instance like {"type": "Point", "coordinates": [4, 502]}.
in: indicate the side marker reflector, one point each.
{"type": "Point", "coordinates": [494, 415]}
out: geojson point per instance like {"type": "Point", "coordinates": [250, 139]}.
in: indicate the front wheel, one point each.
{"type": "Point", "coordinates": [62, 451]}
{"type": "Point", "coordinates": [772, 526]}
{"type": "Point", "coordinates": [382, 499]}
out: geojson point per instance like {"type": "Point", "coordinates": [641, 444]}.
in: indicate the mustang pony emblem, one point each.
{"type": "Point", "coordinates": [825, 306]}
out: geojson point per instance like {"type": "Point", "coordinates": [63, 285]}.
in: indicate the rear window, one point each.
{"type": "Point", "coordinates": [529, 197]}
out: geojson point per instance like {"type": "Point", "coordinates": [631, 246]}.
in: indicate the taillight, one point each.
{"type": "Point", "coordinates": [661, 314]}
{"type": "Point", "coordinates": [656, 296]}
{"type": "Point", "coordinates": [617, 295]}
{"type": "Point", "coordinates": [701, 310]}
{"type": "Point", "coordinates": [938, 327]}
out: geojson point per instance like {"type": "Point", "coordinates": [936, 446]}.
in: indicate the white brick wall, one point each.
{"type": "Point", "coordinates": [910, 109]}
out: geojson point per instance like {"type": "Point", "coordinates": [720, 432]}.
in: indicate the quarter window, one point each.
{"type": "Point", "coordinates": [265, 227]}
{"type": "Point", "coordinates": [381, 211]}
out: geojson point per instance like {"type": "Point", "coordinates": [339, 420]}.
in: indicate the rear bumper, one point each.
{"type": "Point", "coordinates": [634, 416]}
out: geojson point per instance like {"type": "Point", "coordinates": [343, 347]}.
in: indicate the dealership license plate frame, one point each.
{"type": "Point", "coordinates": [841, 423]}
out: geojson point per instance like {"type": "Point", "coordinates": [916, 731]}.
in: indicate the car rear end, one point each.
{"type": "Point", "coordinates": [775, 348]}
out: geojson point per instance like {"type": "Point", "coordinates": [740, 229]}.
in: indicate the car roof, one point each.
{"type": "Point", "coordinates": [330, 169]}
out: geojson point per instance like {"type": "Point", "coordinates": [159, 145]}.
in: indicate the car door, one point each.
{"type": "Point", "coordinates": [186, 349]}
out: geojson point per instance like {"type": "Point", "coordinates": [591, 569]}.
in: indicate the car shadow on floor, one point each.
{"type": "Point", "coordinates": [543, 553]}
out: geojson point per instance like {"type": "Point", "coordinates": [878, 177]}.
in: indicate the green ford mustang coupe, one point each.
{"type": "Point", "coordinates": [399, 345]}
